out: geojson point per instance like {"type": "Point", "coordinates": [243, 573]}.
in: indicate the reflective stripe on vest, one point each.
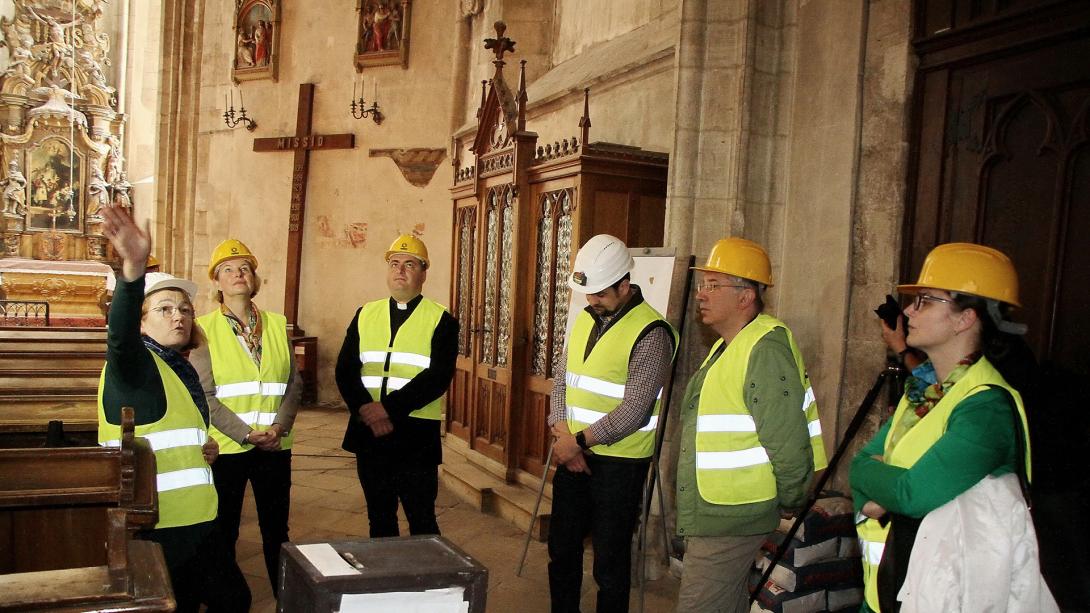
{"type": "Point", "coordinates": [187, 495]}
{"type": "Point", "coordinates": [394, 362]}
{"type": "Point", "coordinates": [374, 383]}
{"type": "Point", "coordinates": [396, 357]}
{"type": "Point", "coordinates": [589, 417]}
{"type": "Point", "coordinates": [250, 388]}
{"type": "Point", "coordinates": [168, 439]}
{"type": "Point", "coordinates": [872, 543]}
{"type": "Point", "coordinates": [594, 385]}
{"type": "Point", "coordinates": [187, 477]}
{"type": "Point", "coordinates": [254, 394]}
{"type": "Point", "coordinates": [732, 467]}
{"type": "Point", "coordinates": [914, 443]}
{"type": "Point", "coordinates": [721, 460]}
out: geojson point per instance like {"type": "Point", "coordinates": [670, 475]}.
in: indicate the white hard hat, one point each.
{"type": "Point", "coordinates": [602, 261]}
{"type": "Point", "coordinates": [155, 281]}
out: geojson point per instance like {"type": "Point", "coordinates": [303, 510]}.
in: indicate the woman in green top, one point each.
{"type": "Point", "coordinates": [150, 332]}
{"type": "Point", "coordinates": [959, 420]}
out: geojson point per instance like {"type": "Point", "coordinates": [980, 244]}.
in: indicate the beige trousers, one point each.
{"type": "Point", "coordinates": [715, 573]}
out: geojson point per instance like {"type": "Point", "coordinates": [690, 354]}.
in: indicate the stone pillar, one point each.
{"type": "Point", "coordinates": [179, 113]}
{"type": "Point", "coordinates": [879, 205]}
{"type": "Point", "coordinates": [724, 159]}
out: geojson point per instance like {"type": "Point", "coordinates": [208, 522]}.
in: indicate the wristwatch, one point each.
{"type": "Point", "coordinates": [581, 439]}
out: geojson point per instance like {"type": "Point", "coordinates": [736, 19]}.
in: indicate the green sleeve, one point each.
{"type": "Point", "coordinates": [979, 441]}
{"type": "Point", "coordinates": [875, 446]}
{"type": "Point", "coordinates": [774, 397]}
{"type": "Point", "coordinates": [132, 379]}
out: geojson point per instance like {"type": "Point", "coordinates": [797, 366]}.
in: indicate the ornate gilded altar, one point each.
{"type": "Point", "coordinates": [61, 155]}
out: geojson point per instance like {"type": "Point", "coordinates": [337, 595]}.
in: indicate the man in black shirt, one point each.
{"type": "Point", "coordinates": [396, 363]}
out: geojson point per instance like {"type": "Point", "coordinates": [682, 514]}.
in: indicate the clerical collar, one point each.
{"type": "Point", "coordinates": [405, 306]}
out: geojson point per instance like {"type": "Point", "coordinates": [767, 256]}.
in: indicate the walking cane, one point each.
{"type": "Point", "coordinates": [890, 371]}
{"type": "Point", "coordinates": [537, 505]}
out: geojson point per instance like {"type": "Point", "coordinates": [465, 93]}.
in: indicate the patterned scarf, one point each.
{"type": "Point", "coordinates": [185, 372]}
{"type": "Point", "coordinates": [250, 334]}
{"type": "Point", "coordinates": [924, 392]}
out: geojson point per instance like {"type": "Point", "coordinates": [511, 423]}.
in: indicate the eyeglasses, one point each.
{"type": "Point", "coordinates": [711, 286]}
{"type": "Point", "coordinates": [921, 298]}
{"type": "Point", "coordinates": [409, 265]}
{"type": "Point", "coordinates": [167, 311]}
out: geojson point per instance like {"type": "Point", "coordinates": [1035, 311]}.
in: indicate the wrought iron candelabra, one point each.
{"type": "Point", "coordinates": [229, 116]}
{"type": "Point", "coordinates": [360, 109]}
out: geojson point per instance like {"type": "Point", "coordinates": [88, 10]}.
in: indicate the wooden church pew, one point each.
{"type": "Point", "coordinates": [67, 519]}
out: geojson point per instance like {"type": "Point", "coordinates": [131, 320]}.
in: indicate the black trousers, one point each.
{"type": "Point", "coordinates": [211, 577]}
{"type": "Point", "coordinates": [385, 481]}
{"type": "Point", "coordinates": [269, 472]}
{"type": "Point", "coordinates": [605, 505]}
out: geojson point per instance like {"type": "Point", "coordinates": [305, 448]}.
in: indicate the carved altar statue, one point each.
{"type": "Point", "coordinates": [61, 153]}
{"type": "Point", "coordinates": [14, 194]}
{"type": "Point", "coordinates": [98, 195]}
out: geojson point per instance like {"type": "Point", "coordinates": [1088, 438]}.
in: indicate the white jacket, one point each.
{"type": "Point", "coordinates": [977, 552]}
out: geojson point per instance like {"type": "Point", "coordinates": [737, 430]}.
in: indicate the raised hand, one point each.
{"type": "Point", "coordinates": [130, 242]}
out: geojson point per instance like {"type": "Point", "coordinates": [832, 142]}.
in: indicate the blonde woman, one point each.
{"type": "Point", "coordinates": [252, 386]}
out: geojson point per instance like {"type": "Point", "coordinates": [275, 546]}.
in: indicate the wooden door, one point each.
{"type": "Point", "coordinates": [1003, 158]}
{"type": "Point", "coordinates": [459, 407]}
{"type": "Point", "coordinates": [493, 307]}
{"type": "Point", "coordinates": [548, 295]}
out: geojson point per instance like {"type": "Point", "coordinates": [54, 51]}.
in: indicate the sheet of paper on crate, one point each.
{"type": "Point", "coordinates": [444, 600]}
{"type": "Point", "coordinates": [326, 559]}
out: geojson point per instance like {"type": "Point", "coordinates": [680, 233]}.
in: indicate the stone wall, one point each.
{"type": "Point", "coordinates": [792, 131]}
{"type": "Point", "coordinates": [785, 121]}
{"type": "Point", "coordinates": [356, 204]}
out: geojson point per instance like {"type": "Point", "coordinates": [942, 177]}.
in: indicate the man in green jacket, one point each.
{"type": "Point", "coordinates": [750, 434]}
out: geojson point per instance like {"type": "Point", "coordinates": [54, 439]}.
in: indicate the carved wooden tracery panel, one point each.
{"type": "Point", "coordinates": [467, 242]}
{"type": "Point", "coordinates": [499, 229]}
{"type": "Point", "coordinates": [553, 266]}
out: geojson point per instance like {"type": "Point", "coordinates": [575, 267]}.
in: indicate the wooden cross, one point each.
{"type": "Point", "coordinates": [302, 143]}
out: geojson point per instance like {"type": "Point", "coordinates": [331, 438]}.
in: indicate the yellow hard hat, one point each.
{"type": "Point", "coordinates": [740, 258]}
{"type": "Point", "coordinates": [966, 268]}
{"type": "Point", "coordinates": [407, 243]}
{"type": "Point", "coordinates": [228, 250]}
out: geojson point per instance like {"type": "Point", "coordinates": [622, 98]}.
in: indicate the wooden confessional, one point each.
{"type": "Point", "coordinates": [521, 211]}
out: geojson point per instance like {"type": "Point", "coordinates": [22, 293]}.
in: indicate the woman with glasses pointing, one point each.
{"type": "Point", "coordinates": [946, 474]}
{"type": "Point", "coordinates": [150, 333]}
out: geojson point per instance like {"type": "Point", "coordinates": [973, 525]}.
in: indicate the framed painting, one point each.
{"type": "Point", "coordinates": [257, 40]}
{"type": "Point", "coordinates": [55, 186]}
{"type": "Point", "coordinates": [383, 33]}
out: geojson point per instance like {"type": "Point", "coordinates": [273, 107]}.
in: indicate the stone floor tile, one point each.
{"type": "Point", "coordinates": [327, 504]}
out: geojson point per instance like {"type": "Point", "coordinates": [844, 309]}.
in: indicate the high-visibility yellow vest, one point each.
{"type": "Point", "coordinates": [253, 394]}
{"type": "Point", "coordinates": [731, 465]}
{"type": "Point", "coordinates": [408, 353]}
{"type": "Point", "coordinates": [183, 479]}
{"type": "Point", "coordinates": [914, 443]}
{"type": "Point", "coordinates": [595, 385]}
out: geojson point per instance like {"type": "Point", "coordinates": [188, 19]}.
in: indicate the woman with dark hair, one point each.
{"type": "Point", "coordinates": [150, 331]}
{"type": "Point", "coordinates": [951, 460]}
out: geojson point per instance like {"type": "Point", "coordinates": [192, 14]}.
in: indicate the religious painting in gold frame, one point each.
{"type": "Point", "coordinates": [382, 37]}
{"type": "Point", "coordinates": [55, 185]}
{"type": "Point", "coordinates": [256, 41]}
